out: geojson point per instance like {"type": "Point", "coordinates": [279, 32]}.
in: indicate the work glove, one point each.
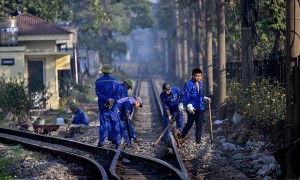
{"type": "Point", "coordinates": [206, 99]}
{"type": "Point", "coordinates": [170, 119]}
{"type": "Point", "coordinates": [109, 104]}
{"type": "Point", "coordinates": [127, 116]}
{"type": "Point", "coordinates": [180, 107]}
{"type": "Point", "coordinates": [190, 109]}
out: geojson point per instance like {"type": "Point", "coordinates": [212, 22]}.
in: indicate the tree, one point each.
{"type": "Point", "coordinates": [16, 98]}
{"type": "Point", "coordinates": [221, 64]}
{"type": "Point", "coordinates": [48, 10]}
{"type": "Point", "coordinates": [115, 19]}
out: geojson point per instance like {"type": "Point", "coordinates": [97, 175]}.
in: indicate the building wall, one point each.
{"type": "Point", "coordinates": [38, 46]}
{"type": "Point", "coordinates": [16, 53]}
{"type": "Point", "coordinates": [52, 63]}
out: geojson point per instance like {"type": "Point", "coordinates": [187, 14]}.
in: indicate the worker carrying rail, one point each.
{"type": "Point", "coordinates": [171, 99]}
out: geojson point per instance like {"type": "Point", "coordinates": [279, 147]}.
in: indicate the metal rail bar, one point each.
{"type": "Point", "coordinates": [174, 144]}
{"type": "Point", "coordinates": [97, 168]}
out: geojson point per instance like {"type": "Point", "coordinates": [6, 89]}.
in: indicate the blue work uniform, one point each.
{"type": "Point", "coordinates": [107, 87]}
{"type": "Point", "coordinates": [125, 106]}
{"type": "Point", "coordinates": [124, 93]}
{"type": "Point", "coordinates": [171, 101]}
{"type": "Point", "coordinates": [80, 118]}
{"type": "Point", "coordinates": [194, 95]}
{"type": "Point", "coordinates": [123, 90]}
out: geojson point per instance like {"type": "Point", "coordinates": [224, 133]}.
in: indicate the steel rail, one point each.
{"type": "Point", "coordinates": [97, 169]}
{"type": "Point", "coordinates": [174, 144]}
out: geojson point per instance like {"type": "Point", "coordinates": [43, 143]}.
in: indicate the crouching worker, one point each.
{"type": "Point", "coordinates": [171, 99]}
{"type": "Point", "coordinates": [79, 116]}
{"type": "Point", "coordinates": [125, 106]}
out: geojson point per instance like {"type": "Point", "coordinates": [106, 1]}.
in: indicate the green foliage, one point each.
{"type": "Point", "coordinates": [17, 149]}
{"type": "Point", "coordinates": [90, 16]}
{"type": "Point", "coordinates": [84, 98]}
{"type": "Point", "coordinates": [8, 158]}
{"type": "Point", "coordinates": [70, 91]}
{"type": "Point", "coordinates": [105, 23]}
{"type": "Point", "coordinates": [262, 103]}
{"type": "Point", "coordinates": [48, 10]}
{"type": "Point", "coordinates": [17, 99]}
{"type": "Point", "coordinates": [165, 15]}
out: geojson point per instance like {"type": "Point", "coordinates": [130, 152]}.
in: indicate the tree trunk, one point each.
{"type": "Point", "coordinates": [221, 63]}
{"type": "Point", "coordinates": [178, 47]}
{"type": "Point", "coordinates": [185, 44]}
{"type": "Point", "coordinates": [209, 61]}
{"type": "Point", "coordinates": [246, 44]}
{"type": "Point", "coordinates": [293, 87]}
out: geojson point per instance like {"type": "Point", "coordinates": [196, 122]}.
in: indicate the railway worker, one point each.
{"type": "Point", "coordinates": [124, 87]}
{"type": "Point", "coordinates": [107, 91]}
{"type": "Point", "coordinates": [79, 116]}
{"type": "Point", "coordinates": [171, 98]}
{"type": "Point", "coordinates": [125, 106]}
{"type": "Point", "coordinates": [193, 97]}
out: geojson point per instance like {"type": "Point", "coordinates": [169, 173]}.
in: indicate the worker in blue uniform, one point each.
{"type": "Point", "coordinates": [124, 87]}
{"type": "Point", "coordinates": [79, 116]}
{"type": "Point", "coordinates": [171, 98]}
{"type": "Point", "coordinates": [107, 91]}
{"type": "Point", "coordinates": [194, 97]}
{"type": "Point", "coordinates": [126, 106]}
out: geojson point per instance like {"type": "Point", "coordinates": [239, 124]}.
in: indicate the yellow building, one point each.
{"type": "Point", "coordinates": [35, 54]}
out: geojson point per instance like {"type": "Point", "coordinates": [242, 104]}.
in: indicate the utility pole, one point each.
{"type": "Point", "coordinates": [246, 44]}
{"type": "Point", "coordinates": [292, 87]}
{"type": "Point", "coordinates": [209, 61]}
{"type": "Point", "coordinates": [221, 63]}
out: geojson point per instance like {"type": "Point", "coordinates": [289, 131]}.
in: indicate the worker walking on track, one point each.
{"type": "Point", "coordinates": [107, 91]}
{"type": "Point", "coordinates": [125, 106]}
{"type": "Point", "coordinates": [193, 97]}
{"type": "Point", "coordinates": [171, 99]}
{"type": "Point", "coordinates": [124, 87]}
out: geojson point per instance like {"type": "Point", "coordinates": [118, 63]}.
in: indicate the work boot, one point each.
{"type": "Point", "coordinates": [116, 146]}
{"type": "Point", "coordinates": [100, 145]}
{"type": "Point", "coordinates": [137, 140]}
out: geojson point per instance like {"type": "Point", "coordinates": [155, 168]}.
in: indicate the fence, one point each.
{"type": "Point", "coordinates": [274, 68]}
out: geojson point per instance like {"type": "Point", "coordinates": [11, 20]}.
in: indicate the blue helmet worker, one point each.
{"type": "Point", "coordinates": [124, 87]}
{"type": "Point", "coordinates": [193, 97]}
{"type": "Point", "coordinates": [107, 91]}
{"type": "Point", "coordinates": [171, 98]}
{"type": "Point", "coordinates": [79, 116]}
{"type": "Point", "coordinates": [126, 106]}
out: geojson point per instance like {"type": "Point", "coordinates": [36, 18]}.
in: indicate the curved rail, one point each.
{"type": "Point", "coordinates": [7, 135]}
{"type": "Point", "coordinates": [110, 163]}
{"type": "Point", "coordinates": [174, 144]}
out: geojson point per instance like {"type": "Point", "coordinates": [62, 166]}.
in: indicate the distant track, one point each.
{"type": "Point", "coordinates": [151, 115]}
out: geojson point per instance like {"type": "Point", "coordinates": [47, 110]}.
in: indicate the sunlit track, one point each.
{"type": "Point", "coordinates": [147, 122]}
{"type": "Point", "coordinates": [71, 150]}
{"type": "Point", "coordinates": [104, 163]}
{"type": "Point", "coordinates": [121, 163]}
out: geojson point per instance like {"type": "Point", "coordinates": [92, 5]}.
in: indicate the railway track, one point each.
{"type": "Point", "coordinates": [106, 163]}
{"type": "Point", "coordinates": [147, 121]}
